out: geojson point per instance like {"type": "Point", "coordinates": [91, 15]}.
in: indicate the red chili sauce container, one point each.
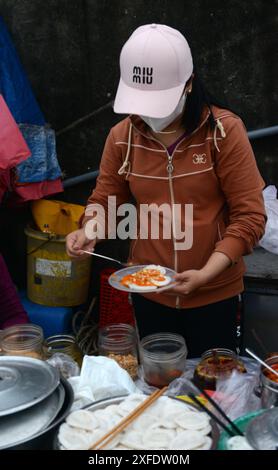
{"type": "Point", "coordinates": [215, 364]}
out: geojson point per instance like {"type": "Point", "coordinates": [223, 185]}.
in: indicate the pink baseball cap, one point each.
{"type": "Point", "coordinates": [156, 63]}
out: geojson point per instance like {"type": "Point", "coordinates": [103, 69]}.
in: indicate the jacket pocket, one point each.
{"type": "Point", "coordinates": [221, 229]}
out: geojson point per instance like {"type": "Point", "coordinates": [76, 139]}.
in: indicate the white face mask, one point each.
{"type": "Point", "coordinates": [158, 124]}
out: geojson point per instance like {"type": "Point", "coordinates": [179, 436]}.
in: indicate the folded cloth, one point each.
{"type": "Point", "coordinates": [43, 164]}
{"type": "Point", "coordinates": [34, 191]}
{"type": "Point", "coordinates": [13, 148]}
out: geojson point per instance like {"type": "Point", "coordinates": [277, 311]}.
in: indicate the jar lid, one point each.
{"type": "Point", "coordinates": [24, 381]}
{"type": "Point", "coordinates": [262, 431]}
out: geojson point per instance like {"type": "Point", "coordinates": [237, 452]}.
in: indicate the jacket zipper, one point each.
{"type": "Point", "coordinates": [170, 169]}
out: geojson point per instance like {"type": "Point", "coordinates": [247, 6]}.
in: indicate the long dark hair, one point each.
{"type": "Point", "coordinates": [195, 103]}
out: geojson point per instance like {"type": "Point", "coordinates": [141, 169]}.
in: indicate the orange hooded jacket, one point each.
{"type": "Point", "coordinates": [215, 171]}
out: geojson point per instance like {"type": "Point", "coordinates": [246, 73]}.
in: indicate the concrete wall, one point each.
{"type": "Point", "coordinates": [70, 50]}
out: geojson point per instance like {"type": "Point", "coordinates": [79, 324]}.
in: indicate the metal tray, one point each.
{"type": "Point", "coordinates": [24, 381]}
{"type": "Point", "coordinates": [19, 427]}
{"type": "Point", "coordinates": [98, 405]}
{"type": "Point", "coordinates": [43, 440]}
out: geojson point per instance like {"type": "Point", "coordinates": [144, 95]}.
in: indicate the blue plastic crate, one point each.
{"type": "Point", "coordinates": [53, 320]}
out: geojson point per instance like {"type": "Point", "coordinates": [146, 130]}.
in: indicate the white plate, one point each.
{"type": "Point", "coordinates": [115, 278]}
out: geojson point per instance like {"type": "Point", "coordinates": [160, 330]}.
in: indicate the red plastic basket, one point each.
{"type": "Point", "coordinates": [114, 304]}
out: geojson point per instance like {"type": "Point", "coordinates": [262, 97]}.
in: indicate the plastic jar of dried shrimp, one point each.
{"type": "Point", "coordinates": [119, 342]}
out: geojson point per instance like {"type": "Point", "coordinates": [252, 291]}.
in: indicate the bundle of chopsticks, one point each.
{"type": "Point", "coordinates": [232, 429]}
{"type": "Point", "coordinates": [124, 423]}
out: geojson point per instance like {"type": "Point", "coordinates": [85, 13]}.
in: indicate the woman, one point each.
{"type": "Point", "coordinates": [178, 147]}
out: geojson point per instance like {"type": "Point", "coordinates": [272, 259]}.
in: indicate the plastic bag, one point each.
{"type": "Point", "coordinates": [100, 378]}
{"type": "Point", "coordinates": [236, 394]}
{"type": "Point", "coordinates": [181, 386]}
{"type": "Point", "coordinates": [66, 365]}
{"type": "Point", "coordinates": [270, 239]}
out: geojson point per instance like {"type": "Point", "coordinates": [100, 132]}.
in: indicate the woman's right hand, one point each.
{"type": "Point", "coordinates": [76, 242]}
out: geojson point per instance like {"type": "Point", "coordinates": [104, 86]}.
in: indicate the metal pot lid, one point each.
{"type": "Point", "coordinates": [262, 431]}
{"type": "Point", "coordinates": [22, 426]}
{"type": "Point", "coordinates": [24, 381]}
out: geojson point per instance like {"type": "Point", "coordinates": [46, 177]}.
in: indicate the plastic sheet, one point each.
{"type": "Point", "coordinates": [235, 394]}
{"type": "Point", "coordinates": [270, 239]}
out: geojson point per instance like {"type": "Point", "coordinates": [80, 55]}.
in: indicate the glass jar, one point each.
{"type": "Point", "coordinates": [163, 357]}
{"type": "Point", "coordinates": [216, 363]}
{"type": "Point", "coordinates": [23, 340]}
{"type": "Point", "coordinates": [119, 342]}
{"type": "Point", "coordinates": [65, 344]}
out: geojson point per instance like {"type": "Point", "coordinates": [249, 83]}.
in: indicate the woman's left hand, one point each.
{"type": "Point", "coordinates": [193, 279]}
{"type": "Point", "coordinates": [189, 281]}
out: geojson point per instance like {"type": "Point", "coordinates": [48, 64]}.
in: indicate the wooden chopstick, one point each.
{"type": "Point", "coordinates": [211, 414]}
{"type": "Point", "coordinates": [217, 407]}
{"type": "Point", "coordinates": [109, 436]}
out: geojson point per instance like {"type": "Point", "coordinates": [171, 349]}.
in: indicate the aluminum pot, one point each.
{"type": "Point", "coordinates": [268, 389]}
{"type": "Point", "coordinates": [43, 440]}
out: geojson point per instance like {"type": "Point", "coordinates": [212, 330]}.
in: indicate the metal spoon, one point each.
{"type": "Point", "coordinates": [105, 257]}
{"type": "Point", "coordinates": [261, 361]}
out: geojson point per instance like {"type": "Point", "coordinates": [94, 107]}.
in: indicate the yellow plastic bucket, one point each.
{"type": "Point", "coordinates": [54, 279]}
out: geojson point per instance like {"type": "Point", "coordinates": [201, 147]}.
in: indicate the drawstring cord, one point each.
{"type": "Point", "coordinates": [219, 126]}
{"type": "Point", "coordinates": [126, 160]}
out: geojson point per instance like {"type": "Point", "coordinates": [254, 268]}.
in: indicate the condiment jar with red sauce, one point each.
{"type": "Point", "coordinates": [216, 363]}
{"type": "Point", "coordinates": [268, 390]}
{"type": "Point", "coordinates": [162, 357]}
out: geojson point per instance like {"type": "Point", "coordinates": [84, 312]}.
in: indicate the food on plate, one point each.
{"type": "Point", "coordinates": [167, 424]}
{"type": "Point", "coordinates": [147, 278]}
